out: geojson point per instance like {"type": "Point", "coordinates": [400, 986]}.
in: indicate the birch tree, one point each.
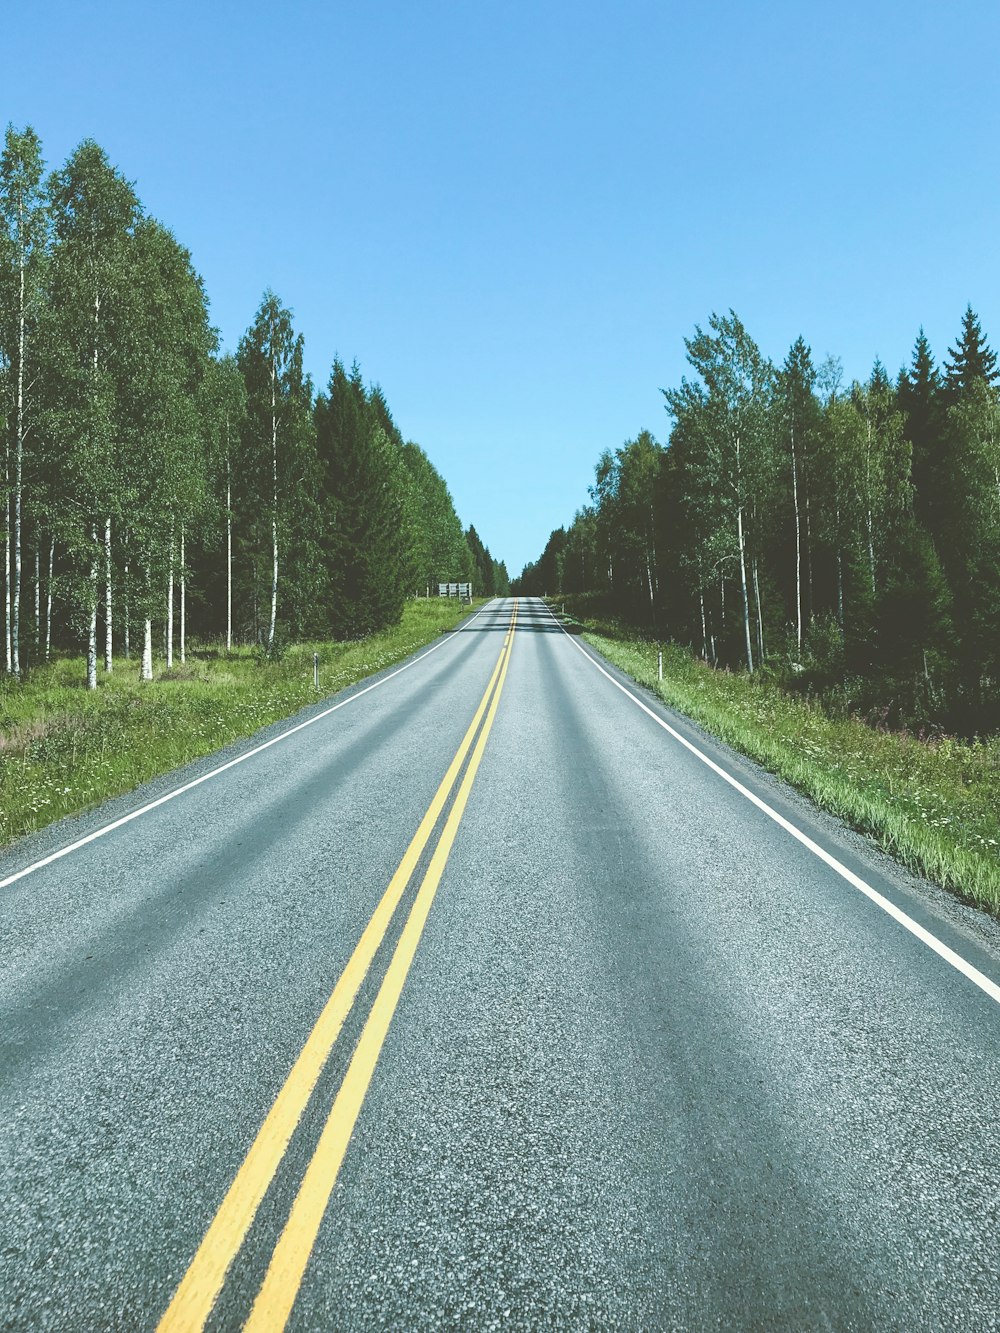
{"type": "Point", "coordinates": [223, 415]}
{"type": "Point", "coordinates": [278, 422]}
{"type": "Point", "coordinates": [23, 255]}
{"type": "Point", "coordinates": [798, 413]}
{"type": "Point", "coordinates": [730, 412]}
{"type": "Point", "coordinates": [163, 480]}
{"type": "Point", "coordinates": [95, 211]}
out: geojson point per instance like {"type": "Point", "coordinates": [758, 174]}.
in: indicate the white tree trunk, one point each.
{"type": "Point", "coordinates": [274, 508]}
{"type": "Point", "coordinates": [183, 594]}
{"type": "Point", "coordinates": [146, 673]}
{"type": "Point", "coordinates": [798, 549]}
{"type": "Point", "coordinates": [15, 630]}
{"type": "Point", "coordinates": [125, 627]}
{"type": "Point", "coordinates": [170, 602]}
{"type": "Point", "coordinates": [92, 613]}
{"type": "Point", "coordinates": [38, 597]}
{"type": "Point", "coordinates": [229, 561]}
{"type": "Point", "coordinates": [743, 586]}
{"type": "Point", "coordinates": [6, 564]}
{"type": "Point", "coordinates": [48, 600]}
{"type": "Point", "coordinates": [108, 637]}
{"type": "Point", "coordinates": [760, 619]}
{"type": "Point", "coordinates": [871, 550]}
{"type": "Point", "coordinates": [704, 627]}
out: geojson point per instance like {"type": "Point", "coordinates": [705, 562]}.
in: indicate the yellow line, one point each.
{"type": "Point", "coordinates": [199, 1288]}
{"type": "Point", "coordinates": [284, 1275]}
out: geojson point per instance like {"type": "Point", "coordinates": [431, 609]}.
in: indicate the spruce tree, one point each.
{"type": "Point", "coordinates": [370, 563]}
{"type": "Point", "coordinates": [918, 393]}
{"type": "Point", "coordinates": [971, 359]}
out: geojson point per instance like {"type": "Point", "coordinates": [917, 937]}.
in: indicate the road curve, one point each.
{"type": "Point", "coordinates": [483, 1001]}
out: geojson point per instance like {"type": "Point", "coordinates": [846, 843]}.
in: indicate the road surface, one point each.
{"type": "Point", "coordinates": [485, 1000]}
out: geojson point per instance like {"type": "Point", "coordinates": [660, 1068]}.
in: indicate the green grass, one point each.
{"type": "Point", "coordinates": [932, 804]}
{"type": "Point", "coordinates": [64, 748]}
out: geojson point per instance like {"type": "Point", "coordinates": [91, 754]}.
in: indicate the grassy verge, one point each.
{"type": "Point", "coordinates": [63, 748]}
{"type": "Point", "coordinates": [932, 804]}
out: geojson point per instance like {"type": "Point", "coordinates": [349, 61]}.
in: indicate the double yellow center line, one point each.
{"type": "Point", "coordinates": [200, 1287]}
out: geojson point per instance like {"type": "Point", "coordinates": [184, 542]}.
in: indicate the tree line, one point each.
{"type": "Point", "coordinates": [150, 480]}
{"type": "Point", "coordinates": [843, 535]}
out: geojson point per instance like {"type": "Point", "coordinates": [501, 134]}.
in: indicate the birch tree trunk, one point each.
{"type": "Point", "coordinates": [274, 508]}
{"type": "Point", "coordinates": [6, 561]}
{"type": "Point", "coordinates": [760, 620]}
{"type": "Point", "coordinates": [798, 548]}
{"type": "Point", "coordinates": [126, 625]}
{"type": "Point", "coordinates": [229, 561]}
{"type": "Point", "coordinates": [108, 637]}
{"type": "Point", "coordinates": [48, 600]}
{"type": "Point", "coordinates": [146, 672]}
{"type": "Point", "coordinates": [170, 601]}
{"type": "Point", "coordinates": [15, 630]}
{"type": "Point", "coordinates": [92, 616]}
{"type": "Point", "coordinates": [38, 597]}
{"type": "Point", "coordinates": [704, 627]}
{"type": "Point", "coordinates": [743, 586]}
{"type": "Point", "coordinates": [183, 594]}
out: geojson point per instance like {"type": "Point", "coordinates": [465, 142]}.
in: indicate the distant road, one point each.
{"type": "Point", "coordinates": [484, 1001]}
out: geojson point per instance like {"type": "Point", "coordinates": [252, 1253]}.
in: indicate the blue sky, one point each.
{"type": "Point", "coordinates": [512, 214]}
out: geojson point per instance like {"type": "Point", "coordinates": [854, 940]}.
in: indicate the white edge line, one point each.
{"type": "Point", "coordinates": [978, 978]}
{"type": "Point", "coordinates": [196, 782]}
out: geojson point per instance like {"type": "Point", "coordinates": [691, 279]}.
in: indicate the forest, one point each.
{"type": "Point", "coordinates": [842, 538]}
{"type": "Point", "coordinates": [156, 489]}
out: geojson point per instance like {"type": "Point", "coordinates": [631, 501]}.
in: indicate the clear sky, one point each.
{"type": "Point", "coordinates": [512, 213]}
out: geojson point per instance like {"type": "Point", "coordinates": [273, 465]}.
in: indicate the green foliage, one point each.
{"type": "Point", "coordinates": [137, 440]}
{"type": "Point", "coordinates": [365, 484]}
{"type": "Point", "coordinates": [788, 509]}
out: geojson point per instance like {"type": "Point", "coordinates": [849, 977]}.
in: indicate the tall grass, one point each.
{"type": "Point", "coordinates": [64, 748]}
{"type": "Point", "coordinates": [932, 804]}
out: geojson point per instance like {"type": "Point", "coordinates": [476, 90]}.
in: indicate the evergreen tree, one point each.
{"type": "Point", "coordinates": [370, 562]}
{"type": "Point", "coordinates": [971, 359]}
{"type": "Point", "coordinates": [919, 396]}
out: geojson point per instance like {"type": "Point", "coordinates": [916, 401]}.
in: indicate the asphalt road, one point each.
{"type": "Point", "coordinates": [626, 1054]}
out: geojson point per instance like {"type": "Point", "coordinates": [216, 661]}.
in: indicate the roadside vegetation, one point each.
{"type": "Point", "coordinates": [64, 748]}
{"type": "Point", "coordinates": [931, 802]}
{"type": "Point", "coordinates": [821, 559]}
{"type": "Point", "coordinates": [156, 491]}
